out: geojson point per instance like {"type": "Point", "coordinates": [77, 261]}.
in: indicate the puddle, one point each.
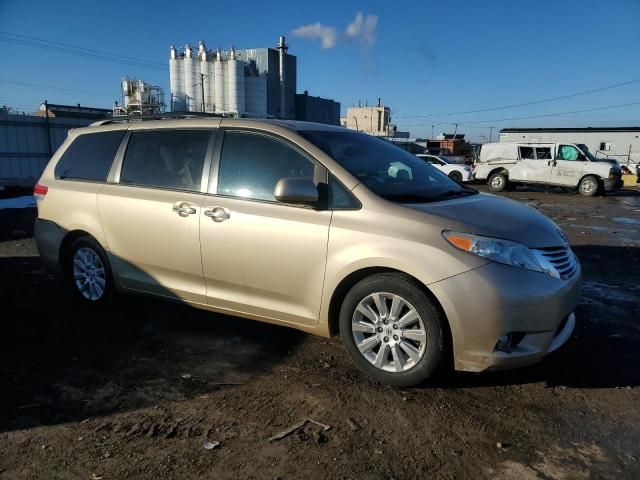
{"type": "Point", "coordinates": [626, 221]}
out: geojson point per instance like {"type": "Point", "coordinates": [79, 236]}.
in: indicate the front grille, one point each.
{"type": "Point", "coordinates": [561, 259]}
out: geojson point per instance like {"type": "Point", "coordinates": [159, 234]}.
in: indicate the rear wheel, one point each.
{"type": "Point", "coordinates": [589, 186]}
{"type": "Point", "coordinates": [456, 176]}
{"type": "Point", "coordinates": [88, 272]}
{"type": "Point", "coordinates": [392, 330]}
{"type": "Point", "coordinates": [498, 182]}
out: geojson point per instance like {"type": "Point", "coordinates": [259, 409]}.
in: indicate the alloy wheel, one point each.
{"type": "Point", "coordinates": [389, 332]}
{"type": "Point", "coordinates": [89, 274]}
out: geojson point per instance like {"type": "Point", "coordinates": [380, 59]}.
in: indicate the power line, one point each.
{"type": "Point", "coordinates": [72, 90]}
{"type": "Point", "coordinates": [557, 114]}
{"type": "Point", "coordinates": [84, 48]}
{"type": "Point", "coordinates": [516, 105]}
{"type": "Point", "coordinates": [86, 53]}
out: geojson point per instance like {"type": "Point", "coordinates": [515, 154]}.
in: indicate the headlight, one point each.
{"type": "Point", "coordinates": [495, 249]}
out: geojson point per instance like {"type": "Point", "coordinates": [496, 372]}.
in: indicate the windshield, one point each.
{"type": "Point", "coordinates": [387, 170]}
{"type": "Point", "coordinates": [585, 150]}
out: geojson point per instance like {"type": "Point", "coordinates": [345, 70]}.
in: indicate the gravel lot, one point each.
{"type": "Point", "coordinates": [137, 391]}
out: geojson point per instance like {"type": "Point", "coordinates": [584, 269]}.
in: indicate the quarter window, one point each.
{"type": "Point", "coordinates": [89, 157]}
{"type": "Point", "coordinates": [171, 159]}
{"type": "Point", "coordinates": [251, 165]}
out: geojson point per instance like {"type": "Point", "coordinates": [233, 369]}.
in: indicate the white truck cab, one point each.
{"type": "Point", "coordinates": [570, 165]}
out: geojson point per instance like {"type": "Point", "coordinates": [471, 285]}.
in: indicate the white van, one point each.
{"type": "Point", "coordinates": [570, 165]}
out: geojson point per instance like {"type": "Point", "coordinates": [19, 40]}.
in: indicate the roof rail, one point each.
{"type": "Point", "coordinates": [162, 116]}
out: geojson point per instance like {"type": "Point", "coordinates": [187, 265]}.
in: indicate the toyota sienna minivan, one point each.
{"type": "Point", "coordinates": [313, 227]}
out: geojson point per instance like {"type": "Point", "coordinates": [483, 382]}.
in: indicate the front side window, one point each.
{"type": "Point", "coordinates": [385, 169]}
{"type": "Point", "coordinates": [569, 152]}
{"type": "Point", "coordinates": [171, 159]}
{"type": "Point", "coordinates": [251, 165]}
{"type": "Point", "coordinates": [89, 157]}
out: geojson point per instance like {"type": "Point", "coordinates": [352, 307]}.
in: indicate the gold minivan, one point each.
{"type": "Point", "coordinates": [315, 227]}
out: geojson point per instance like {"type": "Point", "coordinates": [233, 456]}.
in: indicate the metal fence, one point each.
{"type": "Point", "coordinates": [27, 143]}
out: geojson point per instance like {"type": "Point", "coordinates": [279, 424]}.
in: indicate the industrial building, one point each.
{"type": "Point", "coordinates": [72, 111]}
{"type": "Point", "coordinates": [259, 82]}
{"type": "Point", "coordinates": [620, 143]}
{"type": "Point", "coordinates": [317, 109]}
{"type": "Point", "coordinates": [139, 98]}
{"type": "Point", "coordinates": [374, 120]}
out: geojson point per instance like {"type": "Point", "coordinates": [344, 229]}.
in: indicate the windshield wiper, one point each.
{"type": "Point", "coordinates": [454, 193]}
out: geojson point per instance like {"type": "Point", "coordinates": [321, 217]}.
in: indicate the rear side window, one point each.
{"type": "Point", "coordinates": [89, 157]}
{"type": "Point", "coordinates": [543, 153]}
{"type": "Point", "coordinates": [526, 153]}
{"type": "Point", "coordinates": [172, 159]}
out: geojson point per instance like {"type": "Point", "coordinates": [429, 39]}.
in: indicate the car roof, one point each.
{"type": "Point", "coordinates": [204, 122]}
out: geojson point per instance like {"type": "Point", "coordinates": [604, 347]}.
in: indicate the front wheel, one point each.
{"type": "Point", "coordinates": [589, 186]}
{"type": "Point", "coordinates": [392, 330]}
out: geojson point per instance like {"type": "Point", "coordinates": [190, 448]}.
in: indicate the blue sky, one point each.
{"type": "Point", "coordinates": [421, 58]}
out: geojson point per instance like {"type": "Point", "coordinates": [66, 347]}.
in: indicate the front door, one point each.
{"type": "Point", "coordinates": [534, 165]}
{"type": "Point", "coordinates": [568, 166]}
{"type": "Point", "coordinates": [151, 218]}
{"type": "Point", "coordinates": [259, 256]}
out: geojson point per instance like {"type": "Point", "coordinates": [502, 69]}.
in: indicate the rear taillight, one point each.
{"type": "Point", "coordinates": [40, 190]}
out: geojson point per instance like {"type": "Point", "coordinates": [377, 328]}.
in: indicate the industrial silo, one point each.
{"type": "Point", "coordinates": [190, 65]}
{"type": "Point", "coordinates": [176, 80]}
{"type": "Point", "coordinates": [235, 69]}
{"type": "Point", "coordinates": [218, 82]}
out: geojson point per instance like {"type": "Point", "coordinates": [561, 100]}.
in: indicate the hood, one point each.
{"type": "Point", "coordinates": [498, 217]}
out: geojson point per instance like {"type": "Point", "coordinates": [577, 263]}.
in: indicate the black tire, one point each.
{"type": "Point", "coordinates": [405, 287]}
{"type": "Point", "coordinates": [498, 182]}
{"type": "Point", "coordinates": [589, 186]}
{"type": "Point", "coordinates": [455, 176]}
{"type": "Point", "coordinates": [108, 293]}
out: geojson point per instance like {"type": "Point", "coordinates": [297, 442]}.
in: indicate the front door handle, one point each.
{"type": "Point", "coordinates": [184, 209]}
{"type": "Point", "coordinates": [217, 214]}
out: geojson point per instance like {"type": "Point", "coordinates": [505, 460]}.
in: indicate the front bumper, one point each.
{"type": "Point", "coordinates": [612, 184]}
{"type": "Point", "coordinates": [495, 300]}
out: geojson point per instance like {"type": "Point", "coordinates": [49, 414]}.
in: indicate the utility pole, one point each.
{"type": "Point", "coordinates": [455, 131]}
{"type": "Point", "coordinates": [202, 75]}
{"type": "Point", "coordinates": [46, 116]}
{"type": "Point", "coordinates": [490, 134]}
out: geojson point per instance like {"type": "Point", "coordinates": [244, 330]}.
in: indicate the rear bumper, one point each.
{"type": "Point", "coordinates": [496, 300]}
{"type": "Point", "coordinates": [49, 237]}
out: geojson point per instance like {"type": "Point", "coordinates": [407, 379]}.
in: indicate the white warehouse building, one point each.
{"type": "Point", "coordinates": [242, 83]}
{"type": "Point", "coordinates": [619, 143]}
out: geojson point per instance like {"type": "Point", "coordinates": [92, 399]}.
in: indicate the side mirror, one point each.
{"type": "Point", "coordinates": [296, 190]}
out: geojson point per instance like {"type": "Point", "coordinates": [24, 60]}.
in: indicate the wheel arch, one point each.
{"type": "Point", "coordinates": [67, 241]}
{"type": "Point", "coordinates": [354, 277]}
{"type": "Point", "coordinates": [498, 170]}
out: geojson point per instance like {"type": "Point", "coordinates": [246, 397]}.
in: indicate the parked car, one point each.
{"type": "Point", "coordinates": [303, 225]}
{"type": "Point", "coordinates": [505, 165]}
{"type": "Point", "coordinates": [455, 171]}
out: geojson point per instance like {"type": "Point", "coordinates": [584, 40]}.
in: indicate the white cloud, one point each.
{"type": "Point", "coordinates": [328, 35]}
{"type": "Point", "coordinates": [362, 30]}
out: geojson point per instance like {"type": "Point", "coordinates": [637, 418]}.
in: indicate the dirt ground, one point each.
{"type": "Point", "coordinates": [137, 391]}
